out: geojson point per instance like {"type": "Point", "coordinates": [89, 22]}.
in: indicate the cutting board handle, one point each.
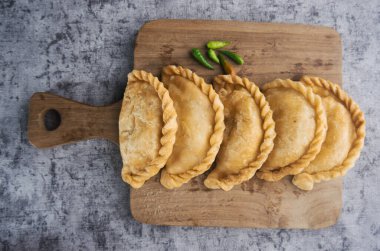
{"type": "Point", "coordinates": [74, 121]}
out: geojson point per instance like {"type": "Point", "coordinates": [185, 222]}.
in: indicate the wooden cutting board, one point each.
{"type": "Point", "coordinates": [270, 51]}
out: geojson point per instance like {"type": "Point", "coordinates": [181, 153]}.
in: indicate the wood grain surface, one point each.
{"type": "Point", "coordinates": [270, 51]}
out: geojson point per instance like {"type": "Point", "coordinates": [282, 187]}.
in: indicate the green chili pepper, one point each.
{"type": "Point", "coordinates": [217, 44]}
{"type": "Point", "coordinates": [197, 54]}
{"type": "Point", "coordinates": [235, 57]}
{"type": "Point", "coordinates": [227, 67]}
{"type": "Point", "coordinates": [212, 55]}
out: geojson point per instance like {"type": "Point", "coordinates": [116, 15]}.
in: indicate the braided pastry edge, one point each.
{"type": "Point", "coordinates": [306, 180]}
{"type": "Point", "coordinates": [169, 129]}
{"type": "Point", "coordinates": [319, 137]}
{"type": "Point", "coordinates": [226, 183]}
{"type": "Point", "coordinates": [171, 181]}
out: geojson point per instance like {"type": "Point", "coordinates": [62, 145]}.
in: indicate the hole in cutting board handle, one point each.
{"type": "Point", "coordinates": [52, 119]}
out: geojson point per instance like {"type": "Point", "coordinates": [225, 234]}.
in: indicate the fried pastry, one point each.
{"type": "Point", "coordinates": [200, 126]}
{"type": "Point", "coordinates": [249, 134]}
{"type": "Point", "coordinates": [147, 128]}
{"type": "Point", "coordinates": [344, 139]}
{"type": "Point", "coordinates": [300, 127]}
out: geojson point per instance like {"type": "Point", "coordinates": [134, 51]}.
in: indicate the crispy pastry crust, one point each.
{"type": "Point", "coordinates": [306, 181]}
{"type": "Point", "coordinates": [226, 183]}
{"type": "Point", "coordinates": [319, 136]}
{"type": "Point", "coordinates": [169, 129]}
{"type": "Point", "coordinates": [176, 180]}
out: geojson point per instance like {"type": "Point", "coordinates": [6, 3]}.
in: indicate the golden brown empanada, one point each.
{"type": "Point", "coordinates": [249, 134]}
{"type": "Point", "coordinates": [300, 127]}
{"type": "Point", "coordinates": [344, 139]}
{"type": "Point", "coordinates": [200, 126]}
{"type": "Point", "coordinates": [147, 128]}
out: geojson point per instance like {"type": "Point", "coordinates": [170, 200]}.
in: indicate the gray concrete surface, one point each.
{"type": "Point", "coordinates": [72, 197]}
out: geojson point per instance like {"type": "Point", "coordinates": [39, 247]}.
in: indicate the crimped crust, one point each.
{"type": "Point", "coordinates": [305, 180]}
{"type": "Point", "coordinates": [226, 183]}
{"type": "Point", "coordinates": [319, 136]}
{"type": "Point", "coordinates": [169, 129]}
{"type": "Point", "coordinates": [175, 180]}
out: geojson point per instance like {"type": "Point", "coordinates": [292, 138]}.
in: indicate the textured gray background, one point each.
{"type": "Point", "coordinates": [72, 197]}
